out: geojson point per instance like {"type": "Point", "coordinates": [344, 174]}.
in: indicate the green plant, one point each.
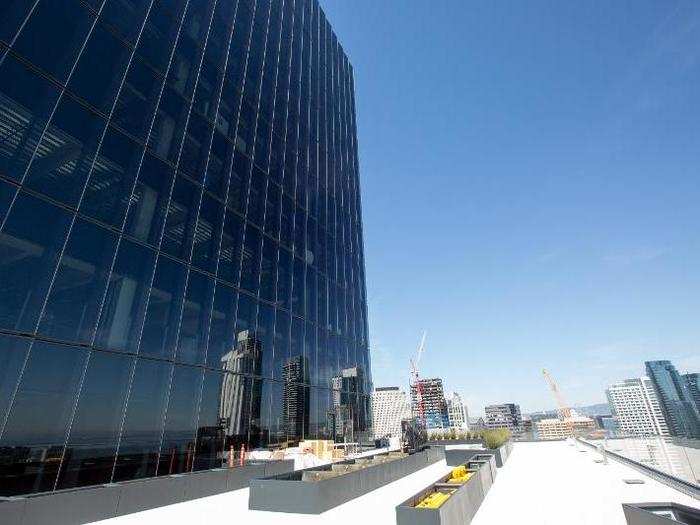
{"type": "Point", "coordinates": [453, 433]}
{"type": "Point", "coordinates": [495, 438]}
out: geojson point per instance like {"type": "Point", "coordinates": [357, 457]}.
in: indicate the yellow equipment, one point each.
{"type": "Point", "coordinates": [434, 500]}
{"type": "Point", "coordinates": [459, 475]}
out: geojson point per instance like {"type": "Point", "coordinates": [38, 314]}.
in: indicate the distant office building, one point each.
{"type": "Point", "coordinates": [506, 415]}
{"type": "Point", "coordinates": [457, 413]}
{"type": "Point", "coordinates": [636, 408]}
{"type": "Point", "coordinates": [552, 428]}
{"type": "Point", "coordinates": [676, 402]}
{"type": "Point", "coordinates": [692, 383]}
{"type": "Point", "coordinates": [556, 428]}
{"type": "Point", "coordinates": [476, 424]}
{"type": "Point", "coordinates": [389, 407]}
{"type": "Point", "coordinates": [433, 400]}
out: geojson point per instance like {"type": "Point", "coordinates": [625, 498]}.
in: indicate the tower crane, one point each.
{"type": "Point", "coordinates": [562, 408]}
{"type": "Point", "coordinates": [415, 377]}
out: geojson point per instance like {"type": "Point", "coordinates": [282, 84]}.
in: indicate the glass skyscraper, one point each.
{"type": "Point", "coordinates": [181, 254]}
{"type": "Point", "coordinates": [676, 402]}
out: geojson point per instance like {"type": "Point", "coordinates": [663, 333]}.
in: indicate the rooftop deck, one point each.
{"type": "Point", "coordinates": [542, 483]}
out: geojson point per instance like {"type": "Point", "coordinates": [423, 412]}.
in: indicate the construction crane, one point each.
{"type": "Point", "coordinates": [415, 376]}
{"type": "Point", "coordinates": [562, 408]}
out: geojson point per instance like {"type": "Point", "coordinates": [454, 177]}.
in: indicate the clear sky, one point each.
{"type": "Point", "coordinates": [531, 190]}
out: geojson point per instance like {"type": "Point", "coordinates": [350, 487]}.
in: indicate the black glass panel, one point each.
{"type": "Point", "coordinates": [191, 347]}
{"type": "Point", "coordinates": [100, 69]}
{"type": "Point", "coordinates": [209, 451]}
{"type": "Point", "coordinates": [149, 202]}
{"type": "Point", "coordinates": [178, 445]}
{"type": "Point", "coordinates": [222, 334]}
{"type": "Point", "coordinates": [231, 245]}
{"type": "Point", "coordinates": [164, 308]}
{"type": "Point", "coordinates": [137, 100]}
{"type": "Point", "coordinates": [158, 37]}
{"type": "Point", "coordinates": [66, 152]}
{"type": "Point", "coordinates": [13, 352]}
{"type": "Point", "coordinates": [7, 193]}
{"type": "Point", "coordinates": [126, 16]}
{"type": "Point", "coordinates": [39, 42]}
{"type": "Point", "coordinates": [143, 424]}
{"type": "Point", "coordinates": [250, 261]}
{"type": "Point", "coordinates": [265, 333]}
{"type": "Point", "coordinates": [30, 243]}
{"type": "Point", "coordinates": [207, 234]}
{"type": "Point", "coordinates": [125, 304]}
{"type": "Point", "coordinates": [80, 283]}
{"type": "Point", "coordinates": [268, 273]}
{"type": "Point", "coordinates": [12, 14]}
{"type": "Point", "coordinates": [112, 179]}
{"type": "Point", "coordinates": [31, 446]}
{"type": "Point", "coordinates": [26, 104]}
{"type": "Point", "coordinates": [92, 443]}
{"type": "Point", "coordinates": [284, 279]}
{"type": "Point", "coordinates": [180, 221]}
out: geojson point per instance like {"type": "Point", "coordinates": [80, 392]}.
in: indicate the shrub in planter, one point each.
{"type": "Point", "coordinates": [495, 438]}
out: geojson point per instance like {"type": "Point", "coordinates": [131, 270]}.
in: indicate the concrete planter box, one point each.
{"type": "Point", "coordinates": [317, 489]}
{"type": "Point", "coordinates": [502, 453]}
{"type": "Point", "coordinates": [458, 456]}
{"type": "Point", "coordinates": [459, 509]}
{"type": "Point", "coordinates": [649, 513]}
{"type": "Point", "coordinates": [84, 505]}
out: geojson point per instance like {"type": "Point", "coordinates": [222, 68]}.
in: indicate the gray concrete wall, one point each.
{"type": "Point", "coordinates": [84, 505]}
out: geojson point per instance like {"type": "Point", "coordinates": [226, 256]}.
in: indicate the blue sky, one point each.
{"type": "Point", "coordinates": [531, 190]}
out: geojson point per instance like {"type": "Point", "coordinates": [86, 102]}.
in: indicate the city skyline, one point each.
{"type": "Point", "coordinates": [530, 191]}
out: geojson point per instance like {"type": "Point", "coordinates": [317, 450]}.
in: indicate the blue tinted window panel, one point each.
{"type": "Point", "coordinates": [125, 17]}
{"type": "Point", "coordinates": [148, 205]}
{"type": "Point", "coordinates": [231, 245]}
{"type": "Point", "coordinates": [196, 314]}
{"type": "Point", "coordinates": [178, 445]}
{"type": "Point", "coordinates": [7, 193]}
{"type": "Point", "coordinates": [143, 425]}
{"type": "Point", "coordinates": [100, 69]}
{"type": "Point", "coordinates": [13, 13]}
{"type": "Point", "coordinates": [30, 243]}
{"type": "Point", "coordinates": [210, 440]}
{"type": "Point", "coordinates": [32, 443]}
{"type": "Point", "coordinates": [162, 321]}
{"type": "Point", "coordinates": [112, 178]}
{"type": "Point", "coordinates": [71, 310]}
{"type": "Point", "coordinates": [31, 99]}
{"type": "Point", "coordinates": [54, 35]}
{"type": "Point", "coordinates": [13, 352]}
{"type": "Point", "coordinates": [180, 219]}
{"type": "Point", "coordinates": [66, 152]}
{"type": "Point", "coordinates": [92, 443]}
{"type": "Point", "coordinates": [124, 306]}
{"type": "Point", "coordinates": [222, 334]}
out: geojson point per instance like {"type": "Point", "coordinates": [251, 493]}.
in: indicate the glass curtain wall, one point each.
{"type": "Point", "coordinates": [181, 255]}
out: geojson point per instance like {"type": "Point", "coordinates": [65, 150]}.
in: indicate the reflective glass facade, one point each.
{"type": "Point", "coordinates": [181, 264]}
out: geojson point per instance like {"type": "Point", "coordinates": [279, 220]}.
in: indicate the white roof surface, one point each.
{"type": "Point", "coordinates": [542, 483]}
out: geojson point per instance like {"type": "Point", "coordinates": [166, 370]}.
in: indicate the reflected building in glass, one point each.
{"type": "Point", "coordinates": [181, 254]}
